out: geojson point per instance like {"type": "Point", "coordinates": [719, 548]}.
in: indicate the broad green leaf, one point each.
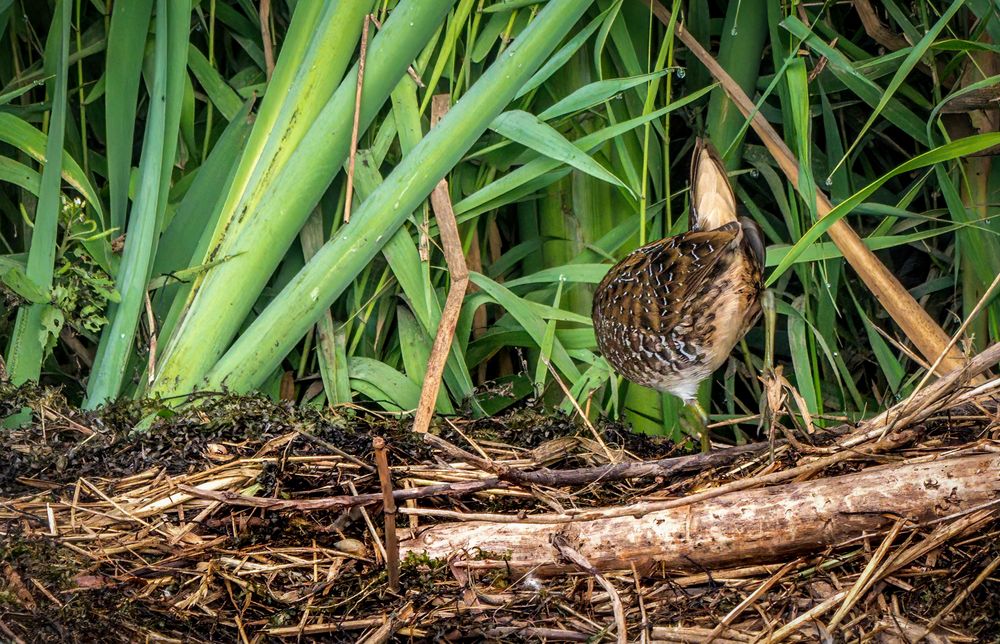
{"type": "Point", "coordinates": [384, 385]}
{"type": "Point", "coordinates": [26, 138]}
{"type": "Point", "coordinates": [496, 192]}
{"type": "Point", "coordinates": [595, 93]}
{"type": "Point", "coordinates": [509, 5]}
{"type": "Point", "coordinates": [329, 273]}
{"type": "Point", "coordinates": [558, 59]}
{"type": "Point", "coordinates": [126, 45]}
{"type": "Point", "coordinates": [528, 318]}
{"type": "Point", "coordinates": [159, 147]}
{"type": "Point", "coordinates": [223, 97]}
{"type": "Point", "coordinates": [531, 132]}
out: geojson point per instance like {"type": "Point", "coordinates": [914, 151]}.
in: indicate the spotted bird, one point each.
{"type": "Point", "coordinates": [670, 313]}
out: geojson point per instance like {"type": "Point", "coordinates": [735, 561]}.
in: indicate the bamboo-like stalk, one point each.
{"type": "Point", "coordinates": [263, 223]}
{"type": "Point", "coordinates": [929, 338]}
{"type": "Point", "coordinates": [26, 351]}
{"type": "Point", "coordinates": [299, 304]}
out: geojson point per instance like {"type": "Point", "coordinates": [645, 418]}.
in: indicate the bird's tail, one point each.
{"type": "Point", "coordinates": [713, 203]}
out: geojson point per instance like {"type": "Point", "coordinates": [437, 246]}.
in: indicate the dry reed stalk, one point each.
{"type": "Point", "coordinates": [915, 322]}
{"type": "Point", "coordinates": [357, 121]}
{"type": "Point", "coordinates": [451, 243]}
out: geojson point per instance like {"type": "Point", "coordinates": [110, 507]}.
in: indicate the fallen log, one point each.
{"type": "Point", "coordinates": [758, 525]}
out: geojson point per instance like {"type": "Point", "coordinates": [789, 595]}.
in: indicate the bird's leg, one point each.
{"type": "Point", "coordinates": [701, 423]}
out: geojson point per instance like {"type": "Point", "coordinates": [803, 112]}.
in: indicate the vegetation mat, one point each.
{"type": "Point", "coordinates": [238, 518]}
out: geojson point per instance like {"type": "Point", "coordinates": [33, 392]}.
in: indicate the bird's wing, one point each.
{"type": "Point", "coordinates": [662, 277]}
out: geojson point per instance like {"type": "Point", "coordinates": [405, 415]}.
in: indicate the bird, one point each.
{"type": "Point", "coordinates": [669, 314]}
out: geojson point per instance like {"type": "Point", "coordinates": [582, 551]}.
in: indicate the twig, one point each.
{"type": "Point", "coordinates": [389, 511]}
{"type": "Point", "coordinates": [958, 334]}
{"type": "Point", "coordinates": [868, 576]}
{"type": "Point", "coordinates": [357, 121]}
{"type": "Point", "coordinates": [877, 31]}
{"type": "Point", "coordinates": [265, 33]}
{"type": "Point", "coordinates": [791, 627]}
{"type": "Point", "coordinates": [663, 468]}
{"type": "Point", "coordinates": [11, 634]}
{"type": "Point", "coordinates": [923, 404]}
{"type": "Point", "coordinates": [914, 320]}
{"type": "Point", "coordinates": [586, 421]}
{"type": "Point", "coordinates": [571, 555]}
{"type": "Point", "coordinates": [451, 243]}
{"type": "Point", "coordinates": [382, 634]}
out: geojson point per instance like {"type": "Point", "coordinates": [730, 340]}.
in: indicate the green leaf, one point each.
{"type": "Point", "coordinates": [299, 142]}
{"type": "Point", "coordinates": [953, 150]}
{"type": "Point", "coordinates": [26, 138]}
{"type": "Point", "coordinates": [916, 53]}
{"type": "Point", "coordinates": [223, 97]}
{"type": "Point", "coordinates": [528, 317]}
{"type": "Point", "coordinates": [159, 148]}
{"type": "Point", "coordinates": [126, 45]}
{"type": "Point", "coordinates": [29, 341]}
{"type": "Point", "coordinates": [509, 5]}
{"type": "Point", "coordinates": [12, 274]}
{"type": "Point", "coordinates": [596, 93]}
{"type": "Point", "coordinates": [558, 59]}
{"type": "Point", "coordinates": [529, 131]}
{"type": "Point", "coordinates": [384, 385]}
{"type": "Point", "coordinates": [330, 272]}
{"type": "Point", "coordinates": [503, 189]}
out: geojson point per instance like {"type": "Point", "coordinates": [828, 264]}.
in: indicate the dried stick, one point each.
{"type": "Point", "coordinates": [572, 399]}
{"type": "Point", "coordinates": [389, 510]}
{"type": "Point", "coordinates": [544, 476]}
{"type": "Point", "coordinates": [918, 326]}
{"type": "Point", "coordinates": [868, 577]}
{"type": "Point", "coordinates": [961, 330]}
{"type": "Point", "coordinates": [452, 246]}
{"type": "Point", "coordinates": [877, 31]}
{"type": "Point", "coordinates": [357, 120]}
{"type": "Point", "coordinates": [759, 525]}
{"type": "Point", "coordinates": [265, 34]}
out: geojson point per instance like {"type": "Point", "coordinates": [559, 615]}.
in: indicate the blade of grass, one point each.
{"type": "Point", "coordinates": [28, 340]}
{"type": "Point", "coordinates": [940, 154]}
{"type": "Point", "coordinates": [159, 149]}
{"type": "Point", "coordinates": [531, 132]}
{"type": "Point", "coordinates": [916, 53]}
{"type": "Point", "coordinates": [126, 45]}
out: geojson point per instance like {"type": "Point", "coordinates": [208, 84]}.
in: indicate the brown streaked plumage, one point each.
{"type": "Point", "coordinates": [669, 314]}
